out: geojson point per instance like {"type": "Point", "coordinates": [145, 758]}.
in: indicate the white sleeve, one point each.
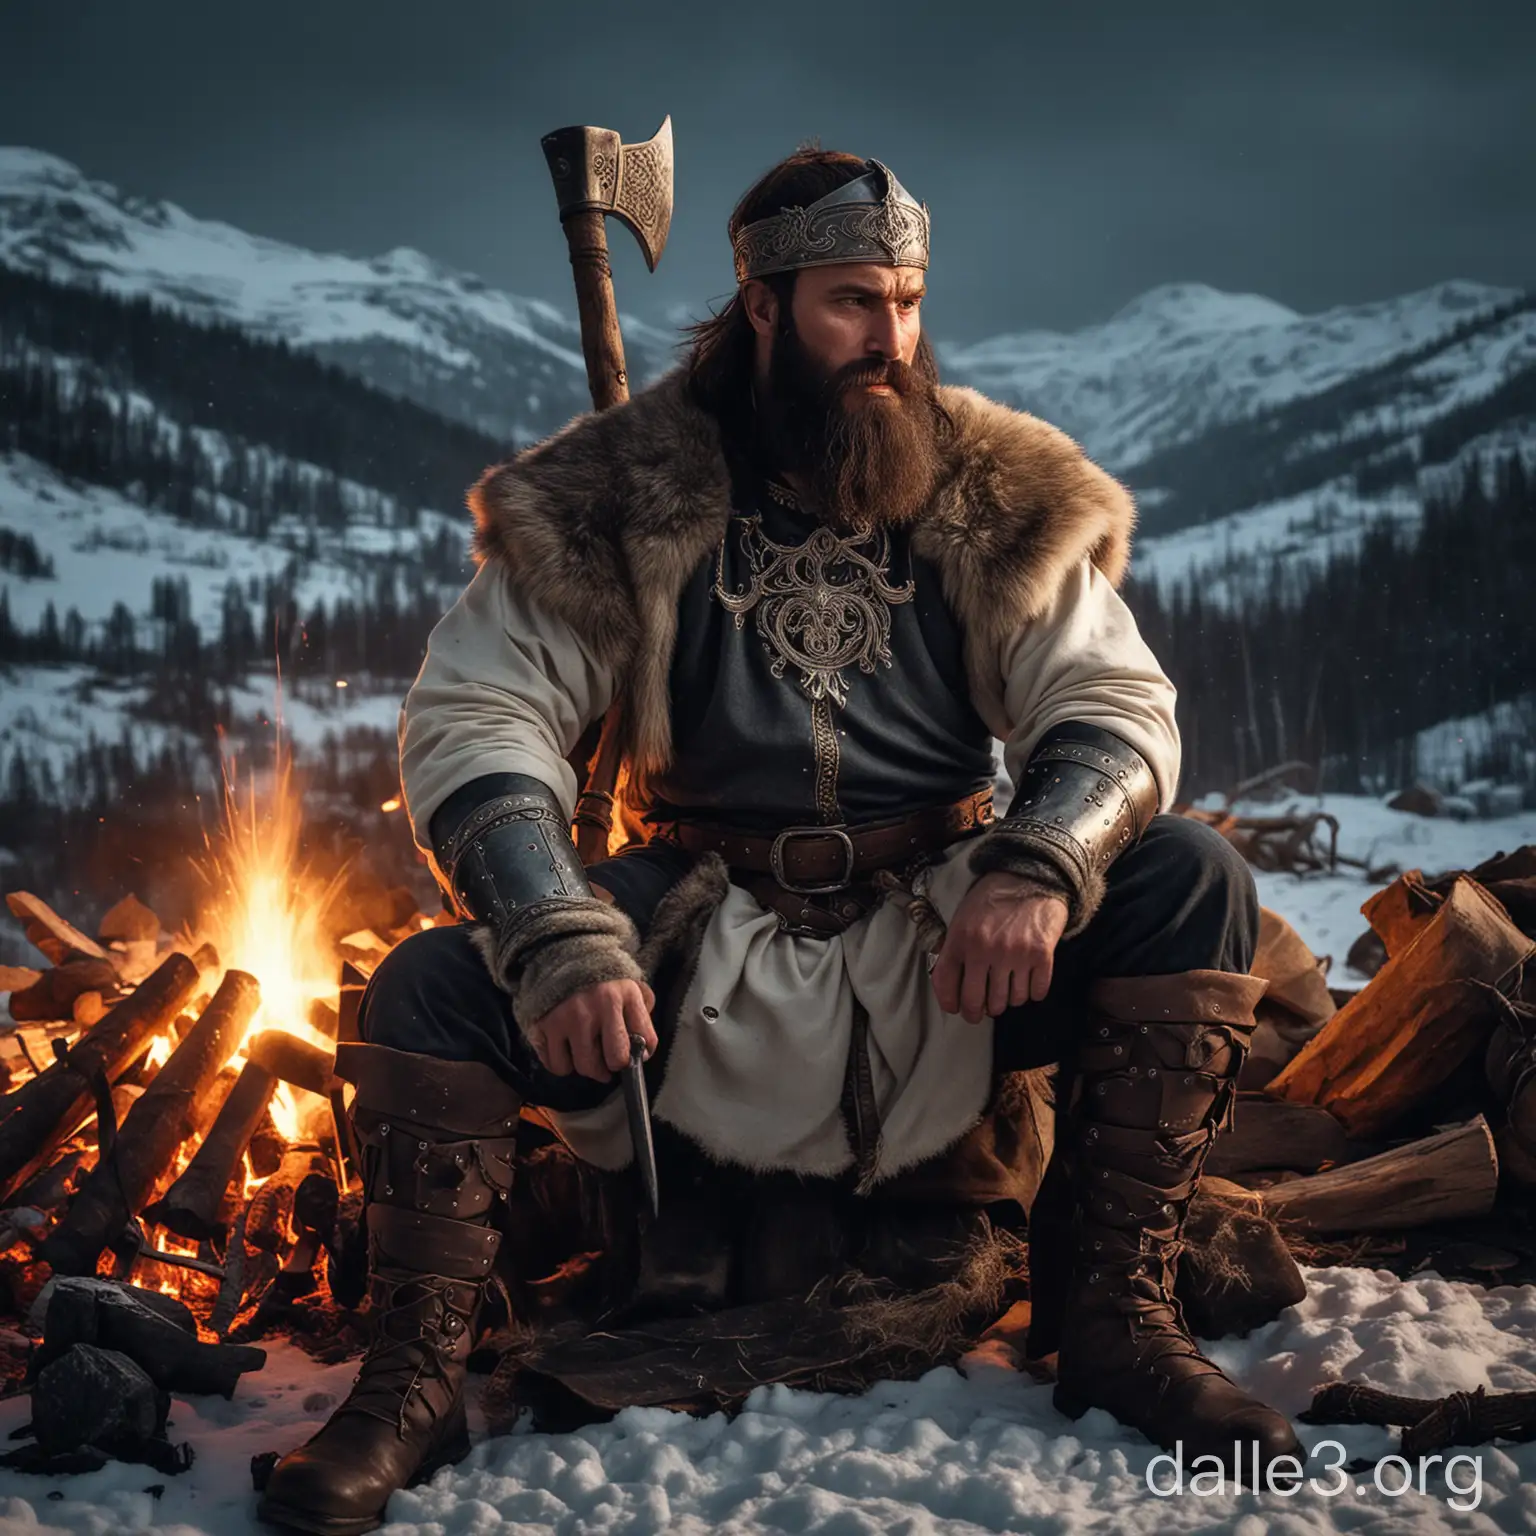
{"type": "Point", "coordinates": [1084, 659]}
{"type": "Point", "coordinates": [506, 687]}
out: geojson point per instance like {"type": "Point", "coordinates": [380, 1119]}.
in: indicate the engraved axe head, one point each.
{"type": "Point", "coordinates": [592, 169]}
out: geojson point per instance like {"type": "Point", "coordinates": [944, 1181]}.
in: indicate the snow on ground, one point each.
{"type": "Point", "coordinates": [1325, 909]}
{"type": "Point", "coordinates": [941, 1455]}
{"type": "Point", "coordinates": [947, 1454]}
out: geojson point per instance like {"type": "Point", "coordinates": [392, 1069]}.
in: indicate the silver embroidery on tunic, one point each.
{"type": "Point", "coordinates": [821, 607]}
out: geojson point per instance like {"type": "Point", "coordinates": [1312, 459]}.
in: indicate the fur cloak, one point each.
{"type": "Point", "coordinates": [604, 523]}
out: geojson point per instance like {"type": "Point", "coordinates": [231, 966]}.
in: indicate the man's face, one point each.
{"type": "Point", "coordinates": [858, 312]}
{"type": "Point", "coordinates": [846, 391]}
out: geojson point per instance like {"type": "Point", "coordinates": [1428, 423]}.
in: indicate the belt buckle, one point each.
{"type": "Point", "coordinates": [776, 860]}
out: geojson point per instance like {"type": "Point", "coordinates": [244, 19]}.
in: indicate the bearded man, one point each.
{"type": "Point", "coordinates": [818, 585]}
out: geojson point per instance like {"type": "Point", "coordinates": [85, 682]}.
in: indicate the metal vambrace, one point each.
{"type": "Point", "coordinates": [1084, 797]}
{"type": "Point", "coordinates": [506, 852]}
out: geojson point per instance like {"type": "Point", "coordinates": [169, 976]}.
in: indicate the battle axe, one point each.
{"type": "Point", "coordinates": [596, 175]}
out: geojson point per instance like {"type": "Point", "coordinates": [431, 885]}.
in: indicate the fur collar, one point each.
{"type": "Point", "coordinates": [604, 523]}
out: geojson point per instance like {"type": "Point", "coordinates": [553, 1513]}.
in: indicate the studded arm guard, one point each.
{"type": "Point", "coordinates": [1085, 796]}
{"type": "Point", "coordinates": [504, 847]}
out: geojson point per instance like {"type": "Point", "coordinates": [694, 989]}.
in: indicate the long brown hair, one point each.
{"type": "Point", "coordinates": [720, 353]}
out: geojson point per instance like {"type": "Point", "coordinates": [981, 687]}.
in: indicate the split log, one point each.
{"type": "Point", "coordinates": [129, 921]}
{"type": "Point", "coordinates": [54, 993]}
{"type": "Point", "coordinates": [1441, 1178]}
{"type": "Point", "coordinates": [1421, 1016]}
{"type": "Point", "coordinates": [196, 1205]}
{"type": "Point", "coordinates": [41, 1115]}
{"type": "Point", "coordinates": [57, 939]}
{"type": "Point", "coordinates": [1269, 1133]}
{"type": "Point", "coordinates": [1399, 911]}
{"type": "Point", "coordinates": [123, 1182]}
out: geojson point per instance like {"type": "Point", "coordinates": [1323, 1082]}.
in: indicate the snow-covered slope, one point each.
{"type": "Point", "coordinates": [507, 365]}
{"type": "Point", "coordinates": [1185, 357]}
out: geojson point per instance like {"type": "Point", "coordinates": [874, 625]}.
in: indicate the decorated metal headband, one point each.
{"type": "Point", "coordinates": [873, 218]}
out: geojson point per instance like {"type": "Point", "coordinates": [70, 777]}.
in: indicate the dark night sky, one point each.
{"type": "Point", "coordinates": [1072, 156]}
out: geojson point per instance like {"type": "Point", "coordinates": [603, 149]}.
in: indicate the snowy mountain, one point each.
{"type": "Point", "coordinates": [508, 366]}
{"type": "Point", "coordinates": [1184, 359]}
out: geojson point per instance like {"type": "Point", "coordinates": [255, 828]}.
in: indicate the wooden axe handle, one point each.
{"type": "Point", "coordinates": [601, 343]}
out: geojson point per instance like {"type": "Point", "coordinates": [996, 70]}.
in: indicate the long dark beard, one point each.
{"type": "Point", "coordinates": [868, 459]}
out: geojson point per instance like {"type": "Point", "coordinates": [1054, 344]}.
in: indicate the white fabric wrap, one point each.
{"type": "Point", "coordinates": [757, 1065]}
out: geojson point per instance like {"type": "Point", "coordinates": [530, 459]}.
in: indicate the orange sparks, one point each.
{"type": "Point", "coordinates": [268, 915]}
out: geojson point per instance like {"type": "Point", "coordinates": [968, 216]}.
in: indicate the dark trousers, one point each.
{"type": "Point", "coordinates": [1181, 899]}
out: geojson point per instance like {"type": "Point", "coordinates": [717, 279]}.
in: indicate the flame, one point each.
{"type": "Point", "coordinates": [159, 1051]}
{"type": "Point", "coordinates": [269, 914]}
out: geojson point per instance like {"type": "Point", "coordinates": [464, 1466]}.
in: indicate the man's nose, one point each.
{"type": "Point", "coordinates": [883, 338]}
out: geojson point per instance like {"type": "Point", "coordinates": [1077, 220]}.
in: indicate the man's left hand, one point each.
{"type": "Point", "coordinates": [1000, 948]}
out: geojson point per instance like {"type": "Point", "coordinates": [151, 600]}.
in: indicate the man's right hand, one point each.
{"type": "Point", "coordinates": [589, 1032]}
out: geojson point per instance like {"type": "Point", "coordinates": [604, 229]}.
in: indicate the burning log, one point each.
{"type": "Point", "coordinates": [156, 1126]}
{"type": "Point", "coordinates": [1440, 1178]}
{"type": "Point", "coordinates": [196, 1205]}
{"type": "Point", "coordinates": [309, 1067]}
{"type": "Point", "coordinates": [1420, 1017]}
{"type": "Point", "coordinates": [268, 1224]}
{"type": "Point", "coordinates": [295, 1061]}
{"type": "Point", "coordinates": [41, 1115]}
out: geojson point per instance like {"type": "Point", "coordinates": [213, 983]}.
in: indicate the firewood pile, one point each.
{"type": "Point", "coordinates": [176, 1181]}
{"type": "Point", "coordinates": [1379, 1116]}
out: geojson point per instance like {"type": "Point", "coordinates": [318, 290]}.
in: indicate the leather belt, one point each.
{"type": "Point", "coordinates": [787, 870]}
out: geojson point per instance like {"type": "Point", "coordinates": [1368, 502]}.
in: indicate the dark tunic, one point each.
{"type": "Point", "coordinates": [818, 679]}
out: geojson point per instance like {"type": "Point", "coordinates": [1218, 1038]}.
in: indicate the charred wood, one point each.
{"type": "Point", "coordinates": [41, 1115]}
{"type": "Point", "coordinates": [123, 1182]}
{"type": "Point", "coordinates": [197, 1205]}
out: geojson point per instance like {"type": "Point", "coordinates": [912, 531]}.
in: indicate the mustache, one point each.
{"type": "Point", "coordinates": [901, 377]}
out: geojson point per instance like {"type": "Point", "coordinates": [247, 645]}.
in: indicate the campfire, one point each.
{"type": "Point", "coordinates": [172, 1124]}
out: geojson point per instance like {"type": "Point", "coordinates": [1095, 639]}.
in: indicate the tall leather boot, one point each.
{"type": "Point", "coordinates": [1157, 1079]}
{"type": "Point", "coordinates": [438, 1142]}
